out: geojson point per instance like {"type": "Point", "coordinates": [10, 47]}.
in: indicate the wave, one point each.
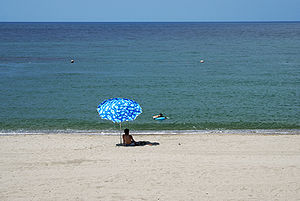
{"type": "Point", "coordinates": [156, 132]}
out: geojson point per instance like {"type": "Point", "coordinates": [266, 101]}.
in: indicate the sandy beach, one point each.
{"type": "Point", "coordinates": [182, 167]}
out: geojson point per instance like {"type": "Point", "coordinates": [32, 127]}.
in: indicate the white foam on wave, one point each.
{"type": "Point", "coordinates": [156, 132]}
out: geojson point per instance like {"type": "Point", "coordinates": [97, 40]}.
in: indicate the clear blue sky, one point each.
{"type": "Point", "coordinates": [148, 10]}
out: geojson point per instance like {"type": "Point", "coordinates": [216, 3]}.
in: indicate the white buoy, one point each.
{"type": "Point", "coordinates": [72, 61]}
{"type": "Point", "coordinates": [201, 61]}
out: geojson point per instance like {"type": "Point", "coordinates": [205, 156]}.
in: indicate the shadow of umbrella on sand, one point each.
{"type": "Point", "coordinates": [119, 110]}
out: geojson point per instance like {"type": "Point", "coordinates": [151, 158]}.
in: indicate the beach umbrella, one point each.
{"type": "Point", "coordinates": [119, 110]}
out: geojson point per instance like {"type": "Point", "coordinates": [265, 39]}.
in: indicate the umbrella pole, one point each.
{"type": "Point", "coordinates": [120, 132]}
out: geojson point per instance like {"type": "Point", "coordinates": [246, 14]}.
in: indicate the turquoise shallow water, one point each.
{"type": "Point", "coordinates": [250, 78]}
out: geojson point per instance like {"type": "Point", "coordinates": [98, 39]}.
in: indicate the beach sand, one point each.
{"type": "Point", "coordinates": [182, 167]}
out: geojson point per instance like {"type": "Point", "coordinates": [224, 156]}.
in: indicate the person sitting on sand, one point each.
{"type": "Point", "coordinates": [128, 139]}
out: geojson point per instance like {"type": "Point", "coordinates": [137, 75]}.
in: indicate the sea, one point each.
{"type": "Point", "coordinates": [248, 79]}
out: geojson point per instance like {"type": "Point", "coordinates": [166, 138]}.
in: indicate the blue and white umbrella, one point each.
{"type": "Point", "coordinates": [119, 110]}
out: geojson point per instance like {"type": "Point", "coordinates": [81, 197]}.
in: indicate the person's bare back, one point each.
{"type": "Point", "coordinates": [127, 139]}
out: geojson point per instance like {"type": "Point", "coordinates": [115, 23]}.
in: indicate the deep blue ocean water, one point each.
{"type": "Point", "coordinates": [250, 78]}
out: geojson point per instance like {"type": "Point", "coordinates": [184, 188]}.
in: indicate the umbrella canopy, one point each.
{"type": "Point", "coordinates": [118, 110]}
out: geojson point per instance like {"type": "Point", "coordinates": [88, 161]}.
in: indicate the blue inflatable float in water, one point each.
{"type": "Point", "coordinates": [159, 117]}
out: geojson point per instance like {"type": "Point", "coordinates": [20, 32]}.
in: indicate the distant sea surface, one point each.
{"type": "Point", "coordinates": [250, 78]}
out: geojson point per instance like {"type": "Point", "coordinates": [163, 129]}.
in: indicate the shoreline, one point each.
{"type": "Point", "coordinates": [159, 132]}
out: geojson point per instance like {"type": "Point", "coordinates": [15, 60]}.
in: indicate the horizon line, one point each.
{"type": "Point", "coordinates": [245, 21]}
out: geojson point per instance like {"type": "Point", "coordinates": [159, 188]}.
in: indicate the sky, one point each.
{"type": "Point", "coordinates": [148, 10]}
